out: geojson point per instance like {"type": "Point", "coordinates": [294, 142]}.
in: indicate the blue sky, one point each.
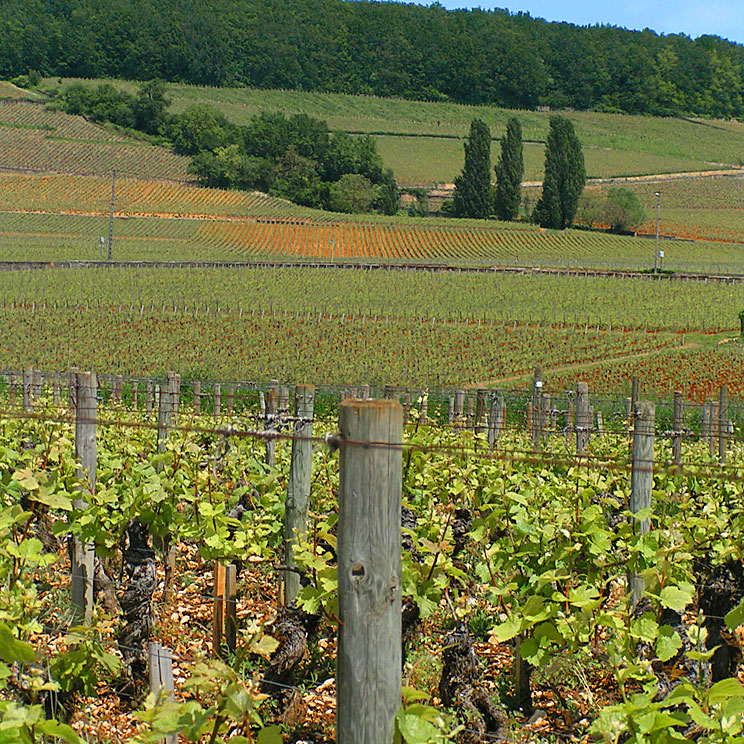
{"type": "Point", "coordinates": [693, 17]}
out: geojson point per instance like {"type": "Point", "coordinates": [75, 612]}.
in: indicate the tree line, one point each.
{"type": "Point", "coordinates": [295, 157]}
{"type": "Point", "coordinates": [385, 49]}
{"type": "Point", "coordinates": [562, 199]}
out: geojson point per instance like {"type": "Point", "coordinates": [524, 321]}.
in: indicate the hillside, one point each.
{"type": "Point", "coordinates": [33, 138]}
{"type": "Point", "coordinates": [422, 142]}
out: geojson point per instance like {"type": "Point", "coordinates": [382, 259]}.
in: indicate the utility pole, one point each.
{"type": "Point", "coordinates": [658, 214]}
{"type": "Point", "coordinates": [111, 214]}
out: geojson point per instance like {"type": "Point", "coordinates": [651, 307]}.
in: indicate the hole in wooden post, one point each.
{"type": "Point", "coordinates": [358, 572]}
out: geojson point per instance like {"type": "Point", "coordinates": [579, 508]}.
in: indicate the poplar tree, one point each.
{"type": "Point", "coordinates": [509, 172]}
{"type": "Point", "coordinates": [472, 197]}
{"type": "Point", "coordinates": [564, 177]}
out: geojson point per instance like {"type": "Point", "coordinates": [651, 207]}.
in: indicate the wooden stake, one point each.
{"type": "Point", "coordinates": [583, 420]}
{"type": "Point", "coordinates": [298, 485]}
{"type": "Point", "coordinates": [723, 425]}
{"type": "Point", "coordinates": [677, 425]}
{"type": "Point", "coordinates": [369, 571]}
{"type": "Point", "coordinates": [642, 478]}
{"type": "Point", "coordinates": [83, 555]}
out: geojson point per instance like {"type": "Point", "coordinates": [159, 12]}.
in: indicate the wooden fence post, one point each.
{"type": "Point", "coordinates": [118, 386]}
{"type": "Point", "coordinates": [583, 420]}
{"type": "Point", "coordinates": [217, 400]}
{"type": "Point", "coordinates": [224, 615]}
{"type": "Point", "coordinates": [27, 390]}
{"type": "Point", "coordinates": [369, 571]}
{"type": "Point", "coordinates": [713, 435]}
{"type": "Point", "coordinates": [424, 409]}
{"type": "Point", "coordinates": [459, 408]}
{"type": "Point", "coordinates": [148, 397]}
{"type": "Point", "coordinates": [536, 426]}
{"type": "Point", "coordinates": [160, 665]}
{"type": "Point", "coordinates": [569, 421]}
{"type": "Point", "coordinates": [364, 392]}
{"type": "Point", "coordinates": [480, 410]}
{"type": "Point", "coordinates": [451, 410]}
{"type": "Point", "coordinates": [641, 478]}
{"type": "Point", "coordinates": [230, 399]}
{"type": "Point", "coordinates": [83, 554]}
{"type": "Point", "coordinates": [135, 386]}
{"type": "Point", "coordinates": [165, 413]}
{"type": "Point", "coordinates": [677, 425]}
{"type": "Point", "coordinates": [55, 389]}
{"type": "Point", "coordinates": [197, 397]}
{"type": "Point", "coordinates": [723, 425]}
{"type": "Point", "coordinates": [13, 389]}
{"type": "Point", "coordinates": [544, 415]}
{"type": "Point", "coordinates": [272, 406]}
{"type": "Point", "coordinates": [495, 419]}
{"type": "Point", "coordinates": [38, 384]}
{"type": "Point", "coordinates": [298, 485]}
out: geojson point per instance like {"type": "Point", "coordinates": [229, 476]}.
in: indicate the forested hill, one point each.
{"type": "Point", "coordinates": [386, 49]}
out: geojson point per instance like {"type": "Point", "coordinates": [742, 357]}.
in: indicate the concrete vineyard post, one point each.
{"type": "Point", "coordinates": [469, 417]}
{"type": "Point", "coordinates": [723, 402]}
{"type": "Point", "coordinates": [83, 555]}
{"type": "Point", "coordinates": [677, 424]}
{"type": "Point", "coordinates": [284, 401]}
{"type": "Point", "coordinates": [369, 571]}
{"type": "Point", "coordinates": [298, 485]}
{"type": "Point", "coordinates": [583, 420]}
{"type": "Point", "coordinates": [642, 477]}
{"type": "Point", "coordinates": [217, 400]}
{"type": "Point", "coordinates": [230, 399]}
{"type": "Point", "coordinates": [148, 397]}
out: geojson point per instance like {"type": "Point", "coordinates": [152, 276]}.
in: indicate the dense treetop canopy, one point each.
{"type": "Point", "coordinates": [386, 49]}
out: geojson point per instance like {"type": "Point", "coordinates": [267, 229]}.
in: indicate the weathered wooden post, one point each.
{"type": "Point", "coordinates": [469, 418]}
{"type": "Point", "coordinates": [459, 408]}
{"type": "Point", "coordinates": [55, 389]}
{"type": "Point", "coordinates": [705, 425]}
{"type": "Point", "coordinates": [298, 485]}
{"type": "Point", "coordinates": [677, 424]}
{"type": "Point", "coordinates": [83, 554]}
{"type": "Point", "coordinates": [148, 397]}
{"type": "Point", "coordinates": [406, 408]}
{"type": "Point", "coordinates": [160, 667]}
{"type": "Point", "coordinates": [713, 440]}
{"type": "Point", "coordinates": [224, 608]}
{"type": "Point", "coordinates": [583, 420]}
{"type": "Point", "coordinates": [197, 397]}
{"type": "Point", "coordinates": [117, 388]}
{"type": "Point", "coordinates": [135, 388]}
{"type": "Point", "coordinates": [536, 425]}
{"type": "Point", "coordinates": [217, 400]}
{"type": "Point", "coordinates": [364, 392]}
{"type": "Point", "coordinates": [424, 409]}
{"type": "Point", "coordinates": [13, 388]}
{"type": "Point", "coordinates": [495, 419]}
{"type": "Point", "coordinates": [230, 399]}
{"type": "Point", "coordinates": [635, 394]}
{"type": "Point", "coordinates": [38, 383]}
{"type": "Point", "coordinates": [27, 391]}
{"type": "Point", "coordinates": [451, 410]}
{"type": "Point", "coordinates": [284, 400]}
{"type": "Point", "coordinates": [569, 421]}
{"type": "Point", "coordinates": [272, 406]}
{"type": "Point", "coordinates": [641, 478]}
{"type": "Point", "coordinates": [529, 419]}
{"type": "Point", "coordinates": [369, 571]}
{"type": "Point", "coordinates": [165, 414]}
{"type": "Point", "coordinates": [723, 425]}
{"type": "Point", "coordinates": [544, 415]}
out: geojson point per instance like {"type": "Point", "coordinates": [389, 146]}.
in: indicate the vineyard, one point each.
{"type": "Point", "coordinates": [34, 138]}
{"type": "Point", "coordinates": [548, 586]}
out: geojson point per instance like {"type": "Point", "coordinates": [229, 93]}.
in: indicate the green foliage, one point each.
{"type": "Point", "coordinates": [564, 176]}
{"type": "Point", "coordinates": [509, 173]}
{"type": "Point", "coordinates": [472, 197]}
{"type": "Point", "coordinates": [150, 107]}
{"type": "Point", "coordinates": [199, 128]}
{"type": "Point", "coordinates": [352, 193]}
{"type": "Point", "coordinates": [623, 210]}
